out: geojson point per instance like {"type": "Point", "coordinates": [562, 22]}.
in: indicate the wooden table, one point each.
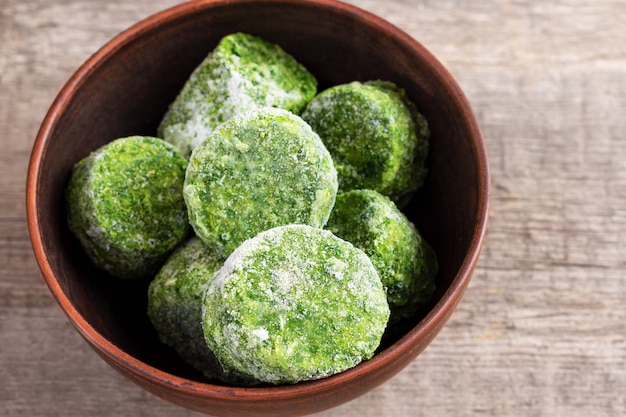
{"type": "Point", "coordinates": [541, 330]}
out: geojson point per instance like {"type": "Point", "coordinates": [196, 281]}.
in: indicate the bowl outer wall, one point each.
{"type": "Point", "coordinates": [301, 398]}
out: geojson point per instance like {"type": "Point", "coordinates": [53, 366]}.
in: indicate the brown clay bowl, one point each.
{"type": "Point", "coordinates": [125, 88]}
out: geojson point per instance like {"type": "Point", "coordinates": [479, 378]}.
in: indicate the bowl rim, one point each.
{"type": "Point", "coordinates": [427, 327]}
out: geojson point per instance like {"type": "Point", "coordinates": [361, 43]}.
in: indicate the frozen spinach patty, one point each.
{"type": "Point", "coordinates": [259, 170]}
{"type": "Point", "coordinates": [405, 262]}
{"type": "Point", "coordinates": [125, 204]}
{"type": "Point", "coordinates": [175, 306]}
{"type": "Point", "coordinates": [242, 73]}
{"type": "Point", "coordinates": [376, 136]}
{"type": "Point", "coordinates": [295, 303]}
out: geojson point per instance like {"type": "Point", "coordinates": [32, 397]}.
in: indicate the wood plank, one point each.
{"type": "Point", "coordinates": [542, 327]}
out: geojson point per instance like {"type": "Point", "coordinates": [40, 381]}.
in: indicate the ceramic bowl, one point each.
{"type": "Point", "coordinates": [125, 88]}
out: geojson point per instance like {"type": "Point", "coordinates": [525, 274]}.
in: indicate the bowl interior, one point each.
{"type": "Point", "coordinates": [125, 90]}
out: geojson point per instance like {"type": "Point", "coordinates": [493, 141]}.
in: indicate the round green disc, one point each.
{"type": "Point", "coordinates": [405, 262]}
{"type": "Point", "coordinates": [175, 303]}
{"type": "Point", "coordinates": [175, 298]}
{"type": "Point", "coordinates": [242, 73]}
{"type": "Point", "coordinates": [295, 303]}
{"type": "Point", "coordinates": [259, 170]}
{"type": "Point", "coordinates": [125, 204]}
{"type": "Point", "coordinates": [377, 138]}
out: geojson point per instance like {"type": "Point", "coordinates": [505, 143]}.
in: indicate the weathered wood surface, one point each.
{"type": "Point", "coordinates": [542, 329]}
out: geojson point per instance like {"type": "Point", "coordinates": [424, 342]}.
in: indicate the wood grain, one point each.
{"type": "Point", "coordinates": [542, 328]}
